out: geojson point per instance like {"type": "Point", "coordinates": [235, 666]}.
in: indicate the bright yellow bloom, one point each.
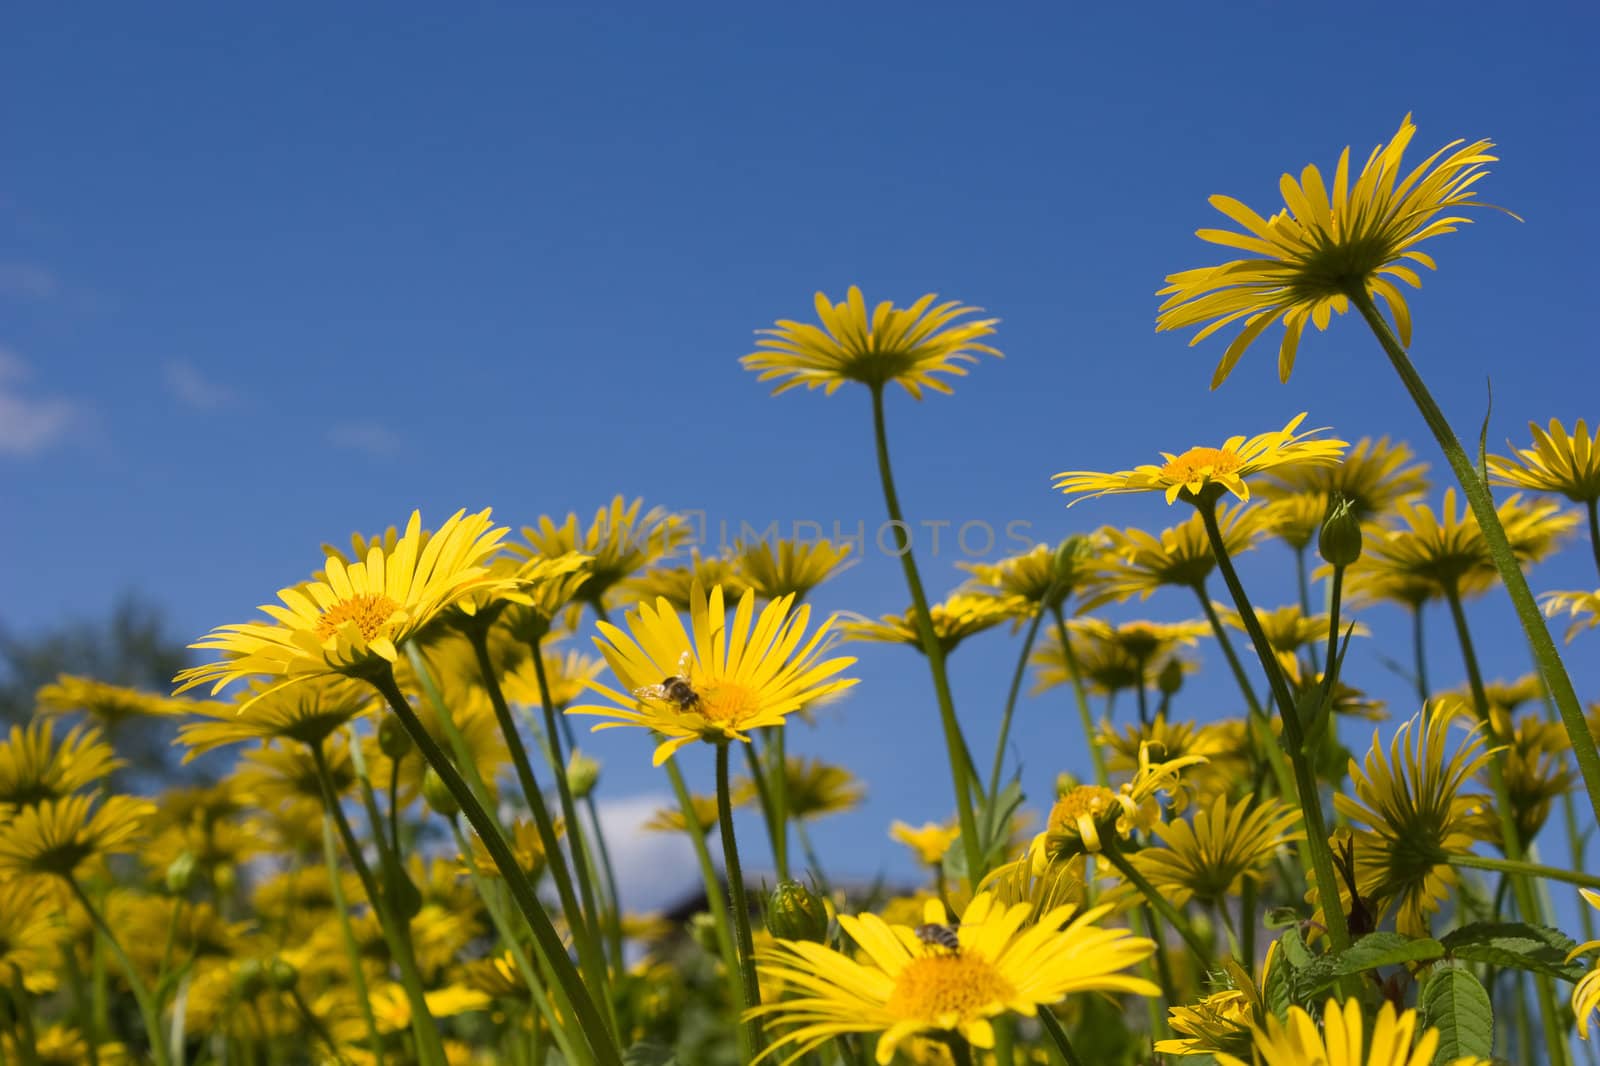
{"type": "Point", "coordinates": [929, 842]}
{"type": "Point", "coordinates": [273, 775]}
{"type": "Point", "coordinates": [1288, 629]}
{"type": "Point", "coordinates": [672, 819]}
{"type": "Point", "coordinates": [566, 673]}
{"type": "Point", "coordinates": [812, 788]}
{"type": "Point", "coordinates": [34, 768]}
{"type": "Point", "coordinates": [1111, 658]}
{"type": "Point", "coordinates": [1536, 769]}
{"type": "Point", "coordinates": [1085, 814]}
{"type": "Point", "coordinates": [619, 542]}
{"type": "Point", "coordinates": [1582, 606]}
{"type": "Point", "coordinates": [1041, 575]}
{"type": "Point", "coordinates": [308, 712]}
{"type": "Point", "coordinates": [673, 583]}
{"type": "Point", "coordinates": [1224, 1021]}
{"type": "Point", "coordinates": [1217, 742]}
{"type": "Point", "coordinates": [526, 844]}
{"type": "Point", "coordinates": [1586, 995]}
{"type": "Point", "coordinates": [1211, 855]}
{"type": "Point", "coordinates": [1410, 815]}
{"type": "Point", "coordinates": [909, 346]}
{"type": "Point", "coordinates": [56, 837]}
{"type": "Point", "coordinates": [1374, 476]}
{"type": "Point", "coordinates": [109, 704]}
{"type": "Point", "coordinates": [1136, 563]}
{"type": "Point", "coordinates": [356, 619]}
{"type": "Point", "coordinates": [732, 679]}
{"type": "Point", "coordinates": [791, 567]}
{"type": "Point", "coordinates": [30, 936]}
{"type": "Point", "coordinates": [903, 987]}
{"type": "Point", "coordinates": [960, 616]}
{"type": "Point", "coordinates": [1325, 245]}
{"type": "Point", "coordinates": [1342, 1041]}
{"type": "Point", "coordinates": [1568, 463]}
{"type": "Point", "coordinates": [1207, 472]}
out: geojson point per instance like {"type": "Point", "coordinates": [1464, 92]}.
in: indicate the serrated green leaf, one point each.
{"type": "Point", "coordinates": [649, 1054]}
{"type": "Point", "coordinates": [1275, 990]}
{"type": "Point", "coordinates": [1294, 949]}
{"type": "Point", "coordinates": [1516, 945]}
{"type": "Point", "coordinates": [1369, 953]}
{"type": "Point", "coordinates": [1453, 1002]}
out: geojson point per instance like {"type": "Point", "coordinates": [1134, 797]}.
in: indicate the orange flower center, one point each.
{"type": "Point", "coordinates": [936, 986]}
{"type": "Point", "coordinates": [1197, 464]}
{"type": "Point", "coordinates": [729, 703]}
{"type": "Point", "coordinates": [1092, 801]}
{"type": "Point", "coordinates": [368, 610]}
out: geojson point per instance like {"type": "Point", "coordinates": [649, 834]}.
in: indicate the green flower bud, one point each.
{"type": "Point", "coordinates": [794, 912]}
{"type": "Point", "coordinates": [437, 796]}
{"type": "Point", "coordinates": [1065, 783]}
{"type": "Point", "coordinates": [1339, 540]}
{"type": "Point", "coordinates": [249, 978]}
{"type": "Point", "coordinates": [1170, 679]}
{"type": "Point", "coordinates": [282, 975]}
{"type": "Point", "coordinates": [393, 740]}
{"type": "Point", "coordinates": [583, 773]}
{"type": "Point", "coordinates": [703, 930]}
{"type": "Point", "coordinates": [180, 874]}
{"type": "Point", "coordinates": [224, 878]}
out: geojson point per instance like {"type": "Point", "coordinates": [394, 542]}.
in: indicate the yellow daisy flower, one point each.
{"type": "Point", "coordinates": [960, 616]}
{"type": "Point", "coordinates": [673, 583]}
{"type": "Point", "coordinates": [909, 346]}
{"type": "Point", "coordinates": [355, 620]}
{"type": "Point", "coordinates": [1582, 606]}
{"type": "Point", "coordinates": [567, 673]}
{"type": "Point", "coordinates": [526, 844]}
{"type": "Point", "coordinates": [1215, 741]}
{"type": "Point", "coordinates": [272, 775]}
{"type": "Point", "coordinates": [1586, 994]}
{"type": "Point", "coordinates": [1410, 814]}
{"type": "Point", "coordinates": [904, 987]}
{"type": "Point", "coordinates": [1225, 1020]}
{"type": "Point", "coordinates": [791, 567]}
{"type": "Point", "coordinates": [34, 768]}
{"type": "Point", "coordinates": [1085, 814]}
{"type": "Point", "coordinates": [622, 540]}
{"type": "Point", "coordinates": [1374, 476]}
{"type": "Point", "coordinates": [1288, 629]}
{"type": "Point", "coordinates": [106, 703]}
{"type": "Point", "coordinates": [308, 712]}
{"type": "Point", "coordinates": [1201, 473]}
{"type": "Point", "coordinates": [1211, 855]}
{"type": "Point", "coordinates": [1112, 658]}
{"type": "Point", "coordinates": [1568, 463]}
{"type": "Point", "coordinates": [812, 788]}
{"type": "Point", "coordinates": [716, 679]}
{"type": "Point", "coordinates": [1342, 1040]}
{"type": "Point", "coordinates": [30, 936]}
{"type": "Point", "coordinates": [1040, 576]}
{"type": "Point", "coordinates": [1536, 770]}
{"type": "Point", "coordinates": [671, 819]}
{"type": "Point", "coordinates": [57, 836]}
{"type": "Point", "coordinates": [1137, 563]}
{"type": "Point", "coordinates": [927, 842]}
{"type": "Point", "coordinates": [1325, 245]}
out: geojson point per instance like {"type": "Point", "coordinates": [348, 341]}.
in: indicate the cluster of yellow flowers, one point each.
{"type": "Point", "coordinates": [405, 863]}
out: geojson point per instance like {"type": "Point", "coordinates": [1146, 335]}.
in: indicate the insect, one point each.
{"type": "Point", "coordinates": [940, 936]}
{"type": "Point", "coordinates": [675, 689]}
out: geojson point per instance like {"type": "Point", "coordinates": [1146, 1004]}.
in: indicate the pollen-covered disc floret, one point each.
{"type": "Point", "coordinates": [993, 961]}
{"type": "Point", "coordinates": [719, 677]}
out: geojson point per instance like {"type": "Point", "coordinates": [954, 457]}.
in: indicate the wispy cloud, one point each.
{"type": "Point", "coordinates": [27, 281]}
{"type": "Point", "coordinates": [653, 870]}
{"type": "Point", "coordinates": [193, 389]}
{"type": "Point", "coordinates": [369, 438]}
{"type": "Point", "coordinates": [29, 424]}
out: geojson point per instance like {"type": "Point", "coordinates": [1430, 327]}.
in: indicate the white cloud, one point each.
{"type": "Point", "coordinates": [192, 388]}
{"type": "Point", "coordinates": [654, 870]}
{"type": "Point", "coordinates": [369, 438]}
{"type": "Point", "coordinates": [27, 281]}
{"type": "Point", "coordinates": [29, 424]}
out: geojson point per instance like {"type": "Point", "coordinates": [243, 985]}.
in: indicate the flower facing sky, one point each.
{"type": "Point", "coordinates": [718, 678]}
{"type": "Point", "coordinates": [1326, 243]}
{"type": "Point", "coordinates": [1210, 856]}
{"type": "Point", "coordinates": [359, 614]}
{"type": "Point", "coordinates": [928, 842]}
{"type": "Point", "coordinates": [1568, 463]}
{"type": "Point", "coordinates": [1586, 994]}
{"type": "Point", "coordinates": [900, 987]}
{"type": "Point", "coordinates": [1200, 469]}
{"type": "Point", "coordinates": [909, 346]}
{"type": "Point", "coordinates": [1342, 1041]}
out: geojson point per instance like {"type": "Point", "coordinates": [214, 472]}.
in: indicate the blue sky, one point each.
{"type": "Point", "coordinates": [271, 274]}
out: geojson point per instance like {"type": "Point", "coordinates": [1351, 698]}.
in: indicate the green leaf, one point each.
{"type": "Point", "coordinates": [1516, 945]}
{"type": "Point", "coordinates": [1277, 991]}
{"type": "Point", "coordinates": [1282, 918]}
{"type": "Point", "coordinates": [646, 1053]}
{"type": "Point", "coordinates": [1294, 949]}
{"type": "Point", "coordinates": [1453, 1002]}
{"type": "Point", "coordinates": [1369, 953]}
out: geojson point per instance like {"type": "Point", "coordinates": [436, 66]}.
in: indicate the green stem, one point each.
{"type": "Point", "coordinates": [1164, 906]}
{"type": "Point", "coordinates": [358, 977]}
{"type": "Point", "coordinates": [1058, 1036]}
{"type": "Point", "coordinates": [141, 995]}
{"type": "Point", "coordinates": [737, 903]}
{"type": "Point", "coordinates": [1305, 779]}
{"type": "Point", "coordinates": [394, 802]}
{"type": "Point", "coordinates": [1524, 869]}
{"type": "Point", "coordinates": [758, 778]}
{"type": "Point", "coordinates": [778, 767]}
{"type": "Point", "coordinates": [396, 927]}
{"type": "Point", "coordinates": [1081, 696]}
{"type": "Point", "coordinates": [1248, 920]}
{"type": "Point", "coordinates": [719, 909]}
{"type": "Point", "coordinates": [582, 918]}
{"type": "Point", "coordinates": [1302, 583]}
{"type": "Point", "coordinates": [588, 1016]}
{"type": "Point", "coordinates": [1593, 507]}
{"type": "Point", "coordinates": [961, 768]}
{"type": "Point", "coordinates": [1419, 654]}
{"type": "Point", "coordinates": [314, 1023]}
{"type": "Point", "coordinates": [960, 1051]}
{"type": "Point", "coordinates": [1505, 560]}
{"type": "Point", "coordinates": [80, 996]}
{"type": "Point", "coordinates": [26, 1040]}
{"type": "Point", "coordinates": [1011, 700]}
